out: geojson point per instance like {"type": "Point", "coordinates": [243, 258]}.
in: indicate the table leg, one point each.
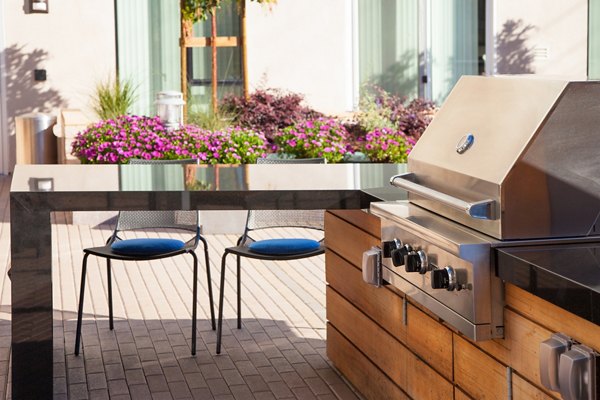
{"type": "Point", "coordinates": [31, 283]}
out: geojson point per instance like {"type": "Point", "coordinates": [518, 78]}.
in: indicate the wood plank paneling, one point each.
{"type": "Point", "coordinates": [369, 380]}
{"type": "Point", "coordinates": [520, 346]}
{"type": "Point", "coordinates": [552, 317]}
{"type": "Point", "coordinates": [350, 242]}
{"type": "Point", "coordinates": [460, 395]}
{"type": "Point", "coordinates": [477, 369]}
{"type": "Point", "coordinates": [478, 374]}
{"type": "Point", "coordinates": [430, 340]}
{"type": "Point", "coordinates": [381, 304]}
{"type": "Point", "coordinates": [415, 377]}
{"type": "Point", "coordinates": [523, 390]}
{"type": "Point", "coordinates": [361, 219]}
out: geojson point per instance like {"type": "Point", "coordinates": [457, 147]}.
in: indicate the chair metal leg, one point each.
{"type": "Point", "coordinates": [195, 300]}
{"type": "Point", "coordinates": [110, 299]}
{"type": "Point", "coordinates": [209, 283]}
{"type": "Point", "coordinates": [239, 292]}
{"type": "Point", "coordinates": [80, 308]}
{"type": "Point", "coordinates": [221, 296]}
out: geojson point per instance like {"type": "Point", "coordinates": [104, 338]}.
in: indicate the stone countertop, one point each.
{"type": "Point", "coordinates": [565, 275]}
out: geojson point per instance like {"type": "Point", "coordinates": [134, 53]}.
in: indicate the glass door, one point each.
{"type": "Point", "coordinates": [455, 44]}
{"type": "Point", "coordinates": [388, 45]}
{"type": "Point", "coordinates": [594, 40]}
{"type": "Point", "coordinates": [148, 48]}
{"type": "Point", "coordinates": [419, 47]}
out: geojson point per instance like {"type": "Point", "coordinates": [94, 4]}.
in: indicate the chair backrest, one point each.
{"type": "Point", "coordinates": [262, 219]}
{"type": "Point", "coordinates": [186, 220]}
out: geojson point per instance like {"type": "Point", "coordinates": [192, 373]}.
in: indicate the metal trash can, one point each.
{"type": "Point", "coordinates": [36, 143]}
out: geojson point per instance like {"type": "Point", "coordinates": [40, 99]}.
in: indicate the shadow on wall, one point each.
{"type": "Point", "coordinates": [400, 77]}
{"type": "Point", "coordinates": [23, 93]}
{"type": "Point", "coordinates": [513, 55]}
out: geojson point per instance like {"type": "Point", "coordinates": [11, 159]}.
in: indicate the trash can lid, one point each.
{"type": "Point", "coordinates": [37, 115]}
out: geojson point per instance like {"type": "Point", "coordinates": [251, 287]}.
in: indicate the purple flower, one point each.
{"type": "Point", "coordinates": [145, 137]}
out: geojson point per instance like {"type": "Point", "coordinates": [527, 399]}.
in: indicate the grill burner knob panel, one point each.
{"type": "Point", "coordinates": [399, 254]}
{"type": "Point", "coordinates": [416, 261]}
{"type": "Point", "coordinates": [444, 278]}
{"type": "Point", "coordinates": [389, 246]}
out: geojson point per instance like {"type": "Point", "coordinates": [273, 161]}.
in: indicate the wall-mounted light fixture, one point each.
{"type": "Point", "coordinates": [38, 6]}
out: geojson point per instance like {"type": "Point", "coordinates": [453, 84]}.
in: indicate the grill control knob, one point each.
{"type": "Point", "coordinates": [389, 246]}
{"type": "Point", "coordinates": [416, 261]}
{"type": "Point", "coordinates": [399, 254]}
{"type": "Point", "coordinates": [444, 278]}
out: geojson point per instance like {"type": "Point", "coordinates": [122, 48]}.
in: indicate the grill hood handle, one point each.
{"type": "Point", "coordinates": [483, 209]}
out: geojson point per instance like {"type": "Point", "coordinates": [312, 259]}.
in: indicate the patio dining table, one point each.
{"type": "Point", "coordinates": [39, 190]}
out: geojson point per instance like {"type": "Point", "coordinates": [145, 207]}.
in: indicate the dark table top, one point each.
{"type": "Point", "coordinates": [566, 275]}
{"type": "Point", "coordinates": [218, 187]}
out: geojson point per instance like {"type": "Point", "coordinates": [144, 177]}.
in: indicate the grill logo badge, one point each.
{"type": "Point", "coordinates": [465, 143]}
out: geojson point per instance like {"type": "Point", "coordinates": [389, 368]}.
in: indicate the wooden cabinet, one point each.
{"type": "Point", "coordinates": [389, 347]}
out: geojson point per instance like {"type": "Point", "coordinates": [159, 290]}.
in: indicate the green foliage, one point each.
{"type": "Point", "coordinates": [113, 98]}
{"type": "Point", "coordinates": [196, 10]}
{"type": "Point", "coordinates": [373, 114]}
{"type": "Point", "coordinates": [209, 120]}
{"type": "Point", "coordinates": [318, 138]}
{"type": "Point", "coordinates": [268, 110]}
{"type": "Point", "coordinates": [387, 145]}
{"type": "Point", "coordinates": [382, 110]}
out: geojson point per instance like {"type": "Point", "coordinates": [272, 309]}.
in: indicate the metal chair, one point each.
{"type": "Point", "coordinates": [118, 248]}
{"type": "Point", "coordinates": [262, 220]}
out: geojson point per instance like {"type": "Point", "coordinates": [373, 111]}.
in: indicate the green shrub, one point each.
{"type": "Point", "coordinates": [268, 111]}
{"type": "Point", "coordinates": [387, 145]}
{"type": "Point", "coordinates": [318, 138]}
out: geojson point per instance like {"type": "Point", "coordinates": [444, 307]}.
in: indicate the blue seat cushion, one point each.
{"type": "Point", "coordinates": [146, 247]}
{"type": "Point", "coordinates": [283, 246]}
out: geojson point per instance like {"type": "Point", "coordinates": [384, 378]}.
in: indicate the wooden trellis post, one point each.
{"type": "Point", "coordinates": [188, 40]}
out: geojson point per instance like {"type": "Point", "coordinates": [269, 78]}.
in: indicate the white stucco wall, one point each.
{"type": "Point", "coordinates": [74, 43]}
{"type": "Point", "coordinates": [304, 47]}
{"type": "Point", "coordinates": [555, 33]}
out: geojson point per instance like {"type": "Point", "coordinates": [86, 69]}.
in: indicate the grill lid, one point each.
{"type": "Point", "coordinates": [513, 157]}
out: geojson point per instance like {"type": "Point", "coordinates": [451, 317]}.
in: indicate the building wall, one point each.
{"type": "Point", "coordinates": [301, 46]}
{"type": "Point", "coordinates": [74, 43]}
{"type": "Point", "coordinates": [545, 37]}
{"type": "Point", "coordinates": [305, 47]}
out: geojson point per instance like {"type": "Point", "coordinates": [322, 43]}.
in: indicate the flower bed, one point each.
{"type": "Point", "coordinates": [319, 138]}
{"type": "Point", "coordinates": [117, 141]}
{"type": "Point", "coordinates": [387, 145]}
{"type": "Point", "coordinates": [384, 130]}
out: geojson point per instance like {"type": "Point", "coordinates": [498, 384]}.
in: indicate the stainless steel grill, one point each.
{"type": "Point", "coordinates": [506, 161]}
